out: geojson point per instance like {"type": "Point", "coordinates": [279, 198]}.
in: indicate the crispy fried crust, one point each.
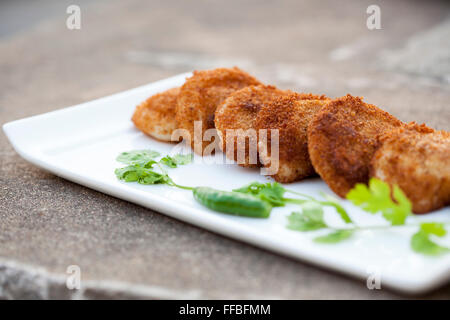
{"type": "Point", "coordinates": [156, 115]}
{"type": "Point", "coordinates": [238, 112]}
{"type": "Point", "coordinates": [202, 93]}
{"type": "Point", "coordinates": [417, 159]}
{"type": "Point", "coordinates": [290, 115]}
{"type": "Point", "coordinates": [342, 139]}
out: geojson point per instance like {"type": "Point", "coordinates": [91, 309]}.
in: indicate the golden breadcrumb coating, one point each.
{"type": "Point", "coordinates": [290, 115]}
{"type": "Point", "coordinates": [156, 115]}
{"type": "Point", "coordinates": [417, 159]}
{"type": "Point", "coordinates": [238, 112]}
{"type": "Point", "coordinates": [202, 93]}
{"type": "Point", "coordinates": [342, 138]}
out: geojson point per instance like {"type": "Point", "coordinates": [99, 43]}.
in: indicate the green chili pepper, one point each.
{"type": "Point", "coordinates": [236, 203]}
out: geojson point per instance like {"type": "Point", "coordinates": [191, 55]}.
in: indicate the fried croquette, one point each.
{"type": "Point", "coordinates": [342, 138]}
{"type": "Point", "coordinates": [156, 115]}
{"type": "Point", "coordinates": [417, 159]}
{"type": "Point", "coordinates": [290, 115]}
{"type": "Point", "coordinates": [200, 96]}
{"type": "Point", "coordinates": [238, 113]}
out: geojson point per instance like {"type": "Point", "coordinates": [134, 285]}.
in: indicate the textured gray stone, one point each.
{"type": "Point", "coordinates": [126, 251]}
{"type": "Point", "coordinates": [426, 54]}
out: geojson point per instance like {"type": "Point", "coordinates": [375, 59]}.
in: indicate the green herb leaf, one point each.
{"type": "Point", "coordinates": [421, 241]}
{"type": "Point", "coordinates": [334, 237]}
{"type": "Point", "coordinates": [373, 199]}
{"type": "Point", "coordinates": [311, 218]}
{"type": "Point", "coordinates": [435, 228]}
{"type": "Point", "coordinates": [128, 174]}
{"type": "Point", "coordinates": [404, 205]}
{"type": "Point", "coordinates": [176, 160]}
{"type": "Point", "coordinates": [142, 175]}
{"type": "Point", "coordinates": [168, 161]}
{"type": "Point", "coordinates": [377, 198]}
{"type": "Point", "coordinates": [154, 178]}
{"type": "Point", "coordinates": [271, 192]}
{"type": "Point", "coordinates": [140, 157]}
{"type": "Point", "coordinates": [182, 159]}
{"type": "Point", "coordinates": [331, 201]}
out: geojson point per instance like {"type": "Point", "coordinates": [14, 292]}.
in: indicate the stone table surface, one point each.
{"type": "Point", "coordinates": [126, 251]}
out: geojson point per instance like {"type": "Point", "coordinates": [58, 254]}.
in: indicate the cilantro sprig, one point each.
{"type": "Point", "coordinates": [143, 167]}
{"type": "Point", "coordinates": [422, 241]}
{"type": "Point", "coordinates": [142, 175]}
{"type": "Point", "coordinates": [374, 198]}
{"type": "Point", "coordinates": [377, 197]}
{"type": "Point", "coordinates": [274, 193]}
{"type": "Point", "coordinates": [309, 219]}
{"type": "Point", "coordinates": [271, 192]}
{"type": "Point", "coordinates": [176, 160]}
{"type": "Point", "coordinates": [138, 157]}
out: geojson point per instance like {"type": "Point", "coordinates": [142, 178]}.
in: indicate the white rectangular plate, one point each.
{"type": "Point", "coordinates": [81, 143]}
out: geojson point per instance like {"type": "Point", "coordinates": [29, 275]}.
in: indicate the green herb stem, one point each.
{"type": "Point", "coordinates": [182, 187]}
{"type": "Point", "coordinates": [257, 200]}
{"type": "Point", "coordinates": [300, 194]}
{"type": "Point", "coordinates": [296, 201]}
{"type": "Point", "coordinates": [384, 227]}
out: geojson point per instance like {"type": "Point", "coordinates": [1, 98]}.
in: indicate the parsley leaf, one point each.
{"type": "Point", "coordinates": [377, 198]}
{"type": "Point", "coordinates": [422, 243]}
{"type": "Point", "coordinates": [311, 218]}
{"type": "Point", "coordinates": [140, 157]}
{"type": "Point", "coordinates": [335, 237]}
{"type": "Point", "coordinates": [271, 192]}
